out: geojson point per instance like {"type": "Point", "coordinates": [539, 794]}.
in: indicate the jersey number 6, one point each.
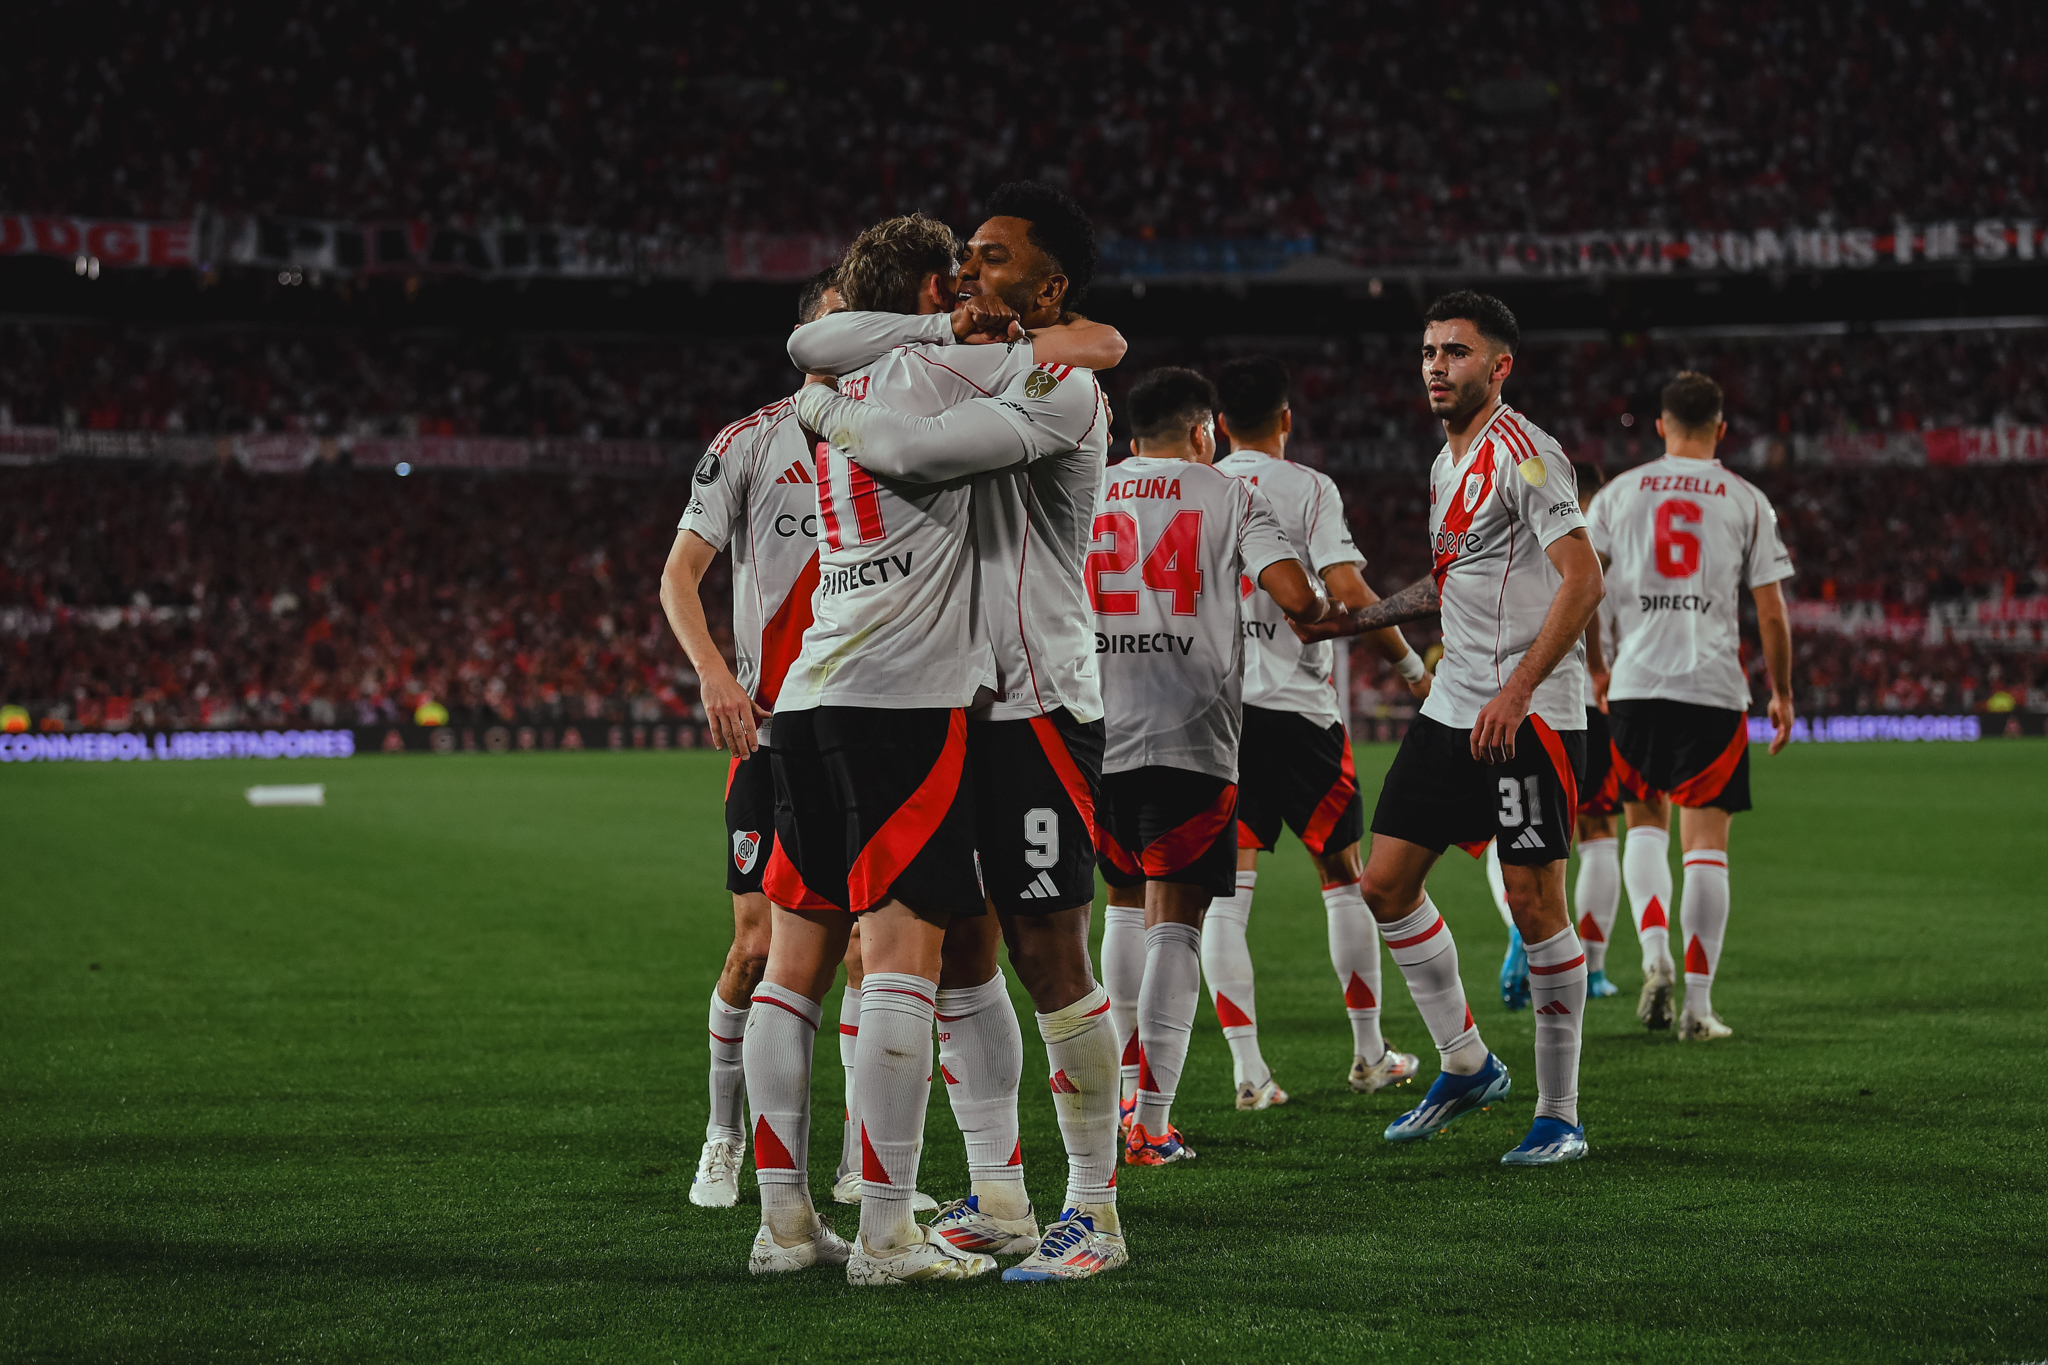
{"type": "Point", "coordinates": [1172, 566]}
{"type": "Point", "coordinates": [1678, 550]}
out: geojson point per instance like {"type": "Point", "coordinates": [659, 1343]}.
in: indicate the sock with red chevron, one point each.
{"type": "Point", "coordinates": [1428, 958]}
{"type": "Point", "coordinates": [1704, 913]}
{"type": "Point", "coordinates": [1166, 1016]}
{"type": "Point", "coordinates": [1355, 953]}
{"type": "Point", "coordinates": [781, 1028]}
{"type": "Point", "coordinates": [981, 1060]}
{"type": "Point", "coordinates": [1646, 873]}
{"type": "Point", "coordinates": [1597, 896]}
{"type": "Point", "coordinates": [1227, 962]}
{"type": "Point", "coordinates": [1557, 990]}
{"type": "Point", "coordinates": [1080, 1049]}
{"type": "Point", "coordinates": [893, 1069]}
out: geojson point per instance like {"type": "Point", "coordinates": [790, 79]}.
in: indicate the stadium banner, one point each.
{"type": "Point", "coordinates": [292, 453]}
{"type": "Point", "coordinates": [101, 243]}
{"type": "Point", "coordinates": [1741, 251]}
{"type": "Point", "coordinates": [503, 737]}
{"type": "Point", "coordinates": [175, 745]}
{"type": "Point", "coordinates": [1866, 729]}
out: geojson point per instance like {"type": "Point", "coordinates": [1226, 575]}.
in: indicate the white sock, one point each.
{"type": "Point", "coordinates": [728, 1072]}
{"type": "Point", "coordinates": [1227, 963]}
{"type": "Point", "coordinates": [1428, 958]}
{"type": "Point", "coordinates": [1355, 953]}
{"type": "Point", "coordinates": [1497, 884]}
{"type": "Point", "coordinates": [781, 1028]}
{"type": "Point", "coordinates": [1166, 1016]}
{"type": "Point", "coordinates": [1704, 916]}
{"type": "Point", "coordinates": [1123, 973]}
{"type": "Point", "coordinates": [1598, 897]}
{"type": "Point", "coordinates": [981, 1058]}
{"type": "Point", "coordinates": [1080, 1048]}
{"type": "Point", "coordinates": [849, 1040]}
{"type": "Point", "coordinates": [894, 1066]}
{"type": "Point", "coordinates": [1646, 872]}
{"type": "Point", "coordinates": [1557, 988]}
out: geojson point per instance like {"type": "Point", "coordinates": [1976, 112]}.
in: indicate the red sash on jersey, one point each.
{"type": "Point", "coordinates": [1458, 516]}
{"type": "Point", "coordinates": [782, 638]}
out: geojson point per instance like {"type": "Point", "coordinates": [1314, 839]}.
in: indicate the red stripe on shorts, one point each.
{"type": "Point", "coordinates": [1703, 787]}
{"type": "Point", "coordinates": [904, 834]}
{"type": "Point", "coordinates": [1553, 745]}
{"type": "Point", "coordinates": [784, 885]}
{"type": "Point", "coordinates": [1331, 807]}
{"type": "Point", "coordinates": [1190, 839]}
{"type": "Point", "coordinates": [1069, 772]}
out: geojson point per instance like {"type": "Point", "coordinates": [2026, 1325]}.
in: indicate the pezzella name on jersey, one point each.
{"type": "Point", "coordinates": [1154, 642]}
{"type": "Point", "coordinates": [872, 574]}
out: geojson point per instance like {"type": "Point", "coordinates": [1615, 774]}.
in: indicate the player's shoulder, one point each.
{"type": "Point", "coordinates": [754, 428]}
{"type": "Point", "coordinates": [1522, 438]}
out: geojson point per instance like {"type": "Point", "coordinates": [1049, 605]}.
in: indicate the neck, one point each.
{"type": "Point", "coordinates": [1147, 450]}
{"type": "Point", "coordinates": [1460, 435]}
{"type": "Point", "coordinates": [1274, 445]}
{"type": "Point", "coordinates": [1689, 450]}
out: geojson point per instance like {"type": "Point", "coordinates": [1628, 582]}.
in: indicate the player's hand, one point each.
{"type": "Point", "coordinates": [1781, 720]}
{"type": "Point", "coordinates": [1600, 681]}
{"type": "Point", "coordinates": [1329, 627]}
{"type": "Point", "coordinates": [1493, 734]}
{"type": "Point", "coordinates": [1420, 687]}
{"type": "Point", "coordinates": [730, 715]}
{"type": "Point", "coordinates": [985, 319]}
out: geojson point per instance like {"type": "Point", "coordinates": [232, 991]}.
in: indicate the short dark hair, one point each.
{"type": "Point", "coordinates": [1166, 402]}
{"type": "Point", "coordinates": [1693, 401]}
{"type": "Point", "coordinates": [811, 298]}
{"type": "Point", "coordinates": [1494, 319]}
{"type": "Point", "coordinates": [886, 266]}
{"type": "Point", "coordinates": [1251, 391]}
{"type": "Point", "coordinates": [1058, 228]}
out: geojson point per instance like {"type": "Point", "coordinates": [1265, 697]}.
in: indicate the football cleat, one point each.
{"type": "Point", "coordinates": [1393, 1068]}
{"type": "Point", "coordinates": [1550, 1141]}
{"type": "Point", "coordinates": [1142, 1149]}
{"type": "Point", "coordinates": [1654, 1005]}
{"type": "Point", "coordinates": [962, 1223]}
{"type": "Point", "coordinates": [1598, 986]}
{"type": "Point", "coordinates": [846, 1190]}
{"type": "Point", "coordinates": [1450, 1096]}
{"type": "Point", "coordinates": [770, 1257]}
{"type": "Point", "coordinates": [1072, 1249]}
{"type": "Point", "coordinates": [717, 1185]}
{"type": "Point", "coordinates": [1514, 973]}
{"type": "Point", "coordinates": [930, 1257]}
{"type": "Point", "coordinates": [1702, 1028]}
{"type": "Point", "coordinates": [1265, 1096]}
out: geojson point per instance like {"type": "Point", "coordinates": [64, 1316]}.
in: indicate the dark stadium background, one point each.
{"type": "Point", "coordinates": [254, 260]}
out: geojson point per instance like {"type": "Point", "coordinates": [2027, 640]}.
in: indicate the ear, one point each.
{"type": "Point", "coordinates": [1053, 291]}
{"type": "Point", "coordinates": [1660, 428]}
{"type": "Point", "coordinates": [1223, 426]}
{"type": "Point", "coordinates": [930, 295]}
{"type": "Point", "coordinates": [1504, 366]}
{"type": "Point", "coordinates": [1286, 420]}
{"type": "Point", "coordinates": [1721, 433]}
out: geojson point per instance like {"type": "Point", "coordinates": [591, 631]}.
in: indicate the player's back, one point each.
{"type": "Point", "coordinates": [1281, 673]}
{"type": "Point", "coordinates": [1683, 538]}
{"type": "Point", "coordinates": [1172, 539]}
{"type": "Point", "coordinates": [898, 623]}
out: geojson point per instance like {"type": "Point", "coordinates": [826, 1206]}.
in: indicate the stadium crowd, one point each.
{"type": "Point", "coordinates": [1195, 122]}
{"type": "Point", "coordinates": [343, 597]}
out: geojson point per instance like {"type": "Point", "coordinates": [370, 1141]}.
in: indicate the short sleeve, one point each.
{"type": "Point", "coordinates": [1599, 524]}
{"type": "Point", "coordinates": [1052, 407]}
{"type": "Point", "coordinates": [1769, 561]}
{"type": "Point", "coordinates": [718, 490]}
{"type": "Point", "coordinates": [1261, 543]}
{"type": "Point", "coordinates": [1329, 538]}
{"type": "Point", "coordinates": [1538, 482]}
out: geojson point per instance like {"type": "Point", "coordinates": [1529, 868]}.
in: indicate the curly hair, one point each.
{"type": "Point", "coordinates": [1058, 228]}
{"type": "Point", "coordinates": [886, 266]}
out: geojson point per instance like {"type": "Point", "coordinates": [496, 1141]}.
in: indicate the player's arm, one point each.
{"type": "Point", "coordinates": [1578, 597]}
{"type": "Point", "coordinates": [1413, 603]}
{"type": "Point", "coordinates": [1079, 342]}
{"type": "Point", "coordinates": [1286, 582]}
{"type": "Point", "coordinates": [730, 712]}
{"type": "Point", "coordinates": [840, 343]}
{"type": "Point", "coordinates": [1348, 588]}
{"type": "Point", "coordinates": [1775, 628]}
{"type": "Point", "coordinates": [1596, 657]}
{"type": "Point", "coordinates": [967, 438]}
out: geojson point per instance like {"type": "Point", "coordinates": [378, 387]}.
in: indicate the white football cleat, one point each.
{"type": "Point", "coordinates": [1393, 1068]}
{"type": "Point", "coordinates": [717, 1185]}
{"type": "Point", "coordinates": [1265, 1096]}
{"type": "Point", "coordinates": [1654, 1005]}
{"type": "Point", "coordinates": [930, 1257]}
{"type": "Point", "coordinates": [1072, 1249]}
{"type": "Point", "coordinates": [1701, 1028]}
{"type": "Point", "coordinates": [962, 1222]}
{"type": "Point", "coordinates": [846, 1190]}
{"type": "Point", "coordinates": [770, 1257]}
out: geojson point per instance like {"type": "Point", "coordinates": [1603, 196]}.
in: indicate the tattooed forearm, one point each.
{"type": "Point", "coordinates": [1412, 603]}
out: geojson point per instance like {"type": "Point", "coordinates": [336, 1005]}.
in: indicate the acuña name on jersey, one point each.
{"type": "Point", "coordinates": [1491, 517]}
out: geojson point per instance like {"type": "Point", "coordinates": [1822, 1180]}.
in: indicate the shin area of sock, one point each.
{"type": "Point", "coordinates": [1703, 914]}
{"type": "Point", "coordinates": [781, 1029]}
{"type": "Point", "coordinates": [1427, 955]}
{"type": "Point", "coordinates": [1646, 875]}
{"type": "Point", "coordinates": [1557, 993]}
{"type": "Point", "coordinates": [728, 1028]}
{"type": "Point", "coordinates": [894, 1067]}
{"type": "Point", "coordinates": [1355, 954]}
{"type": "Point", "coordinates": [1597, 897]}
{"type": "Point", "coordinates": [1081, 1058]}
{"type": "Point", "coordinates": [981, 1059]}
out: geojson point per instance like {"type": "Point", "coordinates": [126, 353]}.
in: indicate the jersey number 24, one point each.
{"type": "Point", "coordinates": [1172, 566]}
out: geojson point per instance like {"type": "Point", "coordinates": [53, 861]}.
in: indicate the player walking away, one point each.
{"type": "Point", "coordinates": [1045, 438]}
{"type": "Point", "coordinates": [1597, 894]}
{"type": "Point", "coordinates": [1497, 751]}
{"type": "Point", "coordinates": [1294, 755]}
{"type": "Point", "coordinates": [752, 492]}
{"type": "Point", "coordinates": [1683, 537]}
{"type": "Point", "coordinates": [1173, 540]}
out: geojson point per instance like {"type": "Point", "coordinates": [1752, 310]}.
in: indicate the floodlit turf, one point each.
{"type": "Point", "coordinates": [419, 1075]}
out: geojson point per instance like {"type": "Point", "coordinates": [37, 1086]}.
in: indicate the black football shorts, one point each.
{"type": "Point", "coordinates": [749, 821]}
{"type": "Point", "coordinates": [1696, 755]}
{"type": "Point", "coordinates": [1038, 783]}
{"type": "Point", "coordinates": [1168, 825]}
{"type": "Point", "coordinates": [1292, 770]}
{"type": "Point", "coordinates": [1436, 794]}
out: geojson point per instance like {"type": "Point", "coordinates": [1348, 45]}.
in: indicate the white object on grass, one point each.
{"type": "Point", "coordinates": [309, 794]}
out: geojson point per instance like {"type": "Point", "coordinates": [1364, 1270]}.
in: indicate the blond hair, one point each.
{"type": "Point", "coordinates": [885, 268]}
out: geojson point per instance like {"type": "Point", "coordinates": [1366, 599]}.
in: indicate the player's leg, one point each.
{"type": "Point", "coordinates": [1123, 923]}
{"type": "Point", "coordinates": [1710, 785]}
{"type": "Point", "coordinates": [981, 1061]}
{"type": "Point", "coordinates": [1597, 896]}
{"type": "Point", "coordinates": [1355, 953]}
{"type": "Point", "coordinates": [846, 1183]}
{"type": "Point", "coordinates": [1263, 760]}
{"type": "Point", "coordinates": [1514, 965]}
{"type": "Point", "coordinates": [1641, 763]}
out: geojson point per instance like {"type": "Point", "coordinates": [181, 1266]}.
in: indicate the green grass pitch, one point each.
{"type": "Point", "coordinates": [420, 1075]}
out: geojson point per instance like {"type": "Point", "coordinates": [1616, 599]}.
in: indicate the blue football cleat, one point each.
{"type": "Point", "coordinates": [1550, 1141]}
{"type": "Point", "coordinates": [1448, 1097]}
{"type": "Point", "coordinates": [1597, 986]}
{"type": "Point", "coordinates": [1514, 973]}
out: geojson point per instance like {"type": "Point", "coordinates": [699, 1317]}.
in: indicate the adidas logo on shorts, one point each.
{"type": "Point", "coordinates": [1528, 838]}
{"type": "Point", "coordinates": [1041, 889]}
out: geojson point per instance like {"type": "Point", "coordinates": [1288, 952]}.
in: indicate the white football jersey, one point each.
{"type": "Point", "coordinates": [1491, 517]}
{"type": "Point", "coordinates": [1172, 540]}
{"type": "Point", "coordinates": [754, 490]}
{"type": "Point", "coordinates": [1280, 672]}
{"type": "Point", "coordinates": [898, 621]}
{"type": "Point", "coordinates": [1684, 538]}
